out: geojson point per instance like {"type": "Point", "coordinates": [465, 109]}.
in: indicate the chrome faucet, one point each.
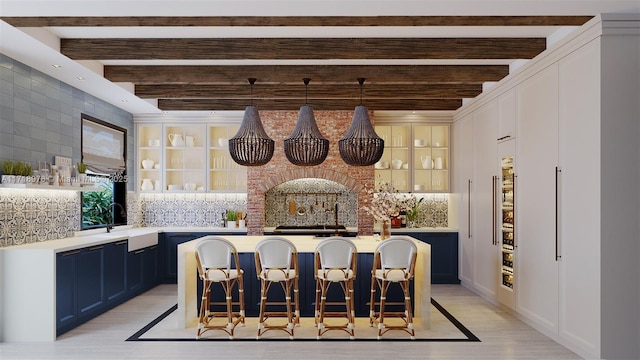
{"type": "Point", "coordinates": [122, 213]}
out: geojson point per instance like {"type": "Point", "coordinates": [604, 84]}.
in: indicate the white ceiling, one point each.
{"type": "Point", "coordinates": [39, 48]}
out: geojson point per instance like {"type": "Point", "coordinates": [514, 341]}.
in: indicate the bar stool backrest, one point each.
{"type": "Point", "coordinates": [215, 253]}
{"type": "Point", "coordinates": [275, 253]}
{"type": "Point", "coordinates": [397, 252]}
{"type": "Point", "coordinates": [336, 253]}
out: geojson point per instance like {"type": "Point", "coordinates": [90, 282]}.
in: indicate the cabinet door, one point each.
{"type": "Point", "coordinates": [172, 240]}
{"type": "Point", "coordinates": [507, 115]}
{"type": "Point", "coordinates": [115, 277]}
{"type": "Point", "coordinates": [150, 274]}
{"type": "Point", "coordinates": [150, 148]}
{"type": "Point", "coordinates": [66, 290]}
{"type": "Point", "coordinates": [485, 147]}
{"type": "Point", "coordinates": [463, 157]}
{"type": "Point", "coordinates": [537, 157]}
{"type": "Point", "coordinates": [135, 271]}
{"type": "Point", "coordinates": [444, 256]}
{"type": "Point", "coordinates": [580, 202]}
{"type": "Point", "coordinates": [91, 295]}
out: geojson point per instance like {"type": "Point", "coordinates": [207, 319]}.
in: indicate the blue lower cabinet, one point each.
{"type": "Point", "coordinates": [115, 276]}
{"type": "Point", "coordinates": [169, 244]}
{"type": "Point", "coordinates": [444, 255]}
{"type": "Point", "coordinates": [90, 278]}
{"type": "Point", "coordinates": [150, 270]}
{"type": "Point", "coordinates": [66, 290]}
{"type": "Point", "coordinates": [142, 270]}
{"type": "Point", "coordinates": [135, 281]}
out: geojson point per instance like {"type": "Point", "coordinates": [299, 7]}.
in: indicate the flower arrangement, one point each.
{"type": "Point", "coordinates": [412, 207]}
{"type": "Point", "coordinates": [385, 203]}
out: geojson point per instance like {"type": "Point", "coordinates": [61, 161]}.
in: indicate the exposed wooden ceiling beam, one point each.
{"type": "Point", "coordinates": [293, 74]}
{"type": "Point", "coordinates": [74, 21]}
{"type": "Point", "coordinates": [317, 104]}
{"type": "Point", "coordinates": [297, 91]}
{"type": "Point", "coordinates": [302, 48]}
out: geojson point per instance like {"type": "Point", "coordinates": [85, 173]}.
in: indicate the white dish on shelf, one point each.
{"type": "Point", "coordinates": [381, 165]}
{"type": "Point", "coordinates": [419, 143]}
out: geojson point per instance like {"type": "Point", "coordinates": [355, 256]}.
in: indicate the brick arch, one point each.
{"type": "Point", "coordinates": [294, 174]}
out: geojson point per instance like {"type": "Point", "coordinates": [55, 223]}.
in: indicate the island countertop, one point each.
{"type": "Point", "coordinates": [187, 272]}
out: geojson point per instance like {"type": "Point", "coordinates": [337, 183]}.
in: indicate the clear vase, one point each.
{"type": "Point", "coordinates": [385, 229]}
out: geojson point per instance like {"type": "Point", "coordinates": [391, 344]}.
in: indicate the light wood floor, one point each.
{"type": "Point", "coordinates": [502, 337]}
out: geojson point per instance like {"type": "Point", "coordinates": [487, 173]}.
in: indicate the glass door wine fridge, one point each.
{"type": "Point", "coordinates": [506, 206]}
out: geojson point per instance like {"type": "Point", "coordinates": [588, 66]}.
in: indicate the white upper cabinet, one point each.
{"type": "Point", "coordinates": [507, 115]}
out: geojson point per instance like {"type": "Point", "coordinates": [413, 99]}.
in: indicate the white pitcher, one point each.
{"type": "Point", "coordinates": [438, 163]}
{"type": "Point", "coordinates": [190, 140]}
{"type": "Point", "coordinates": [427, 163]}
{"type": "Point", "coordinates": [176, 140]}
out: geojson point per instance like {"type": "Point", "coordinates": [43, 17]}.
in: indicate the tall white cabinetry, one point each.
{"type": "Point", "coordinates": [576, 269]}
{"type": "Point", "coordinates": [462, 131]}
{"type": "Point", "coordinates": [537, 154]}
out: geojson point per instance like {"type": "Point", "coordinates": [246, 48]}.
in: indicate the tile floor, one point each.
{"type": "Point", "coordinates": [502, 337]}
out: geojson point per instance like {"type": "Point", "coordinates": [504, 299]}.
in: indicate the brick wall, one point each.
{"type": "Point", "coordinates": [279, 125]}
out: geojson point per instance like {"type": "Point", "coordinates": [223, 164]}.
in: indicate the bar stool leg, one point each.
{"type": "Point", "coordinates": [372, 303]}
{"type": "Point", "coordinates": [296, 301]}
{"type": "Point", "coordinates": [407, 307]}
{"type": "Point", "coordinates": [264, 288]}
{"type": "Point", "coordinates": [204, 307]}
{"type": "Point", "coordinates": [384, 285]}
{"type": "Point", "coordinates": [241, 298]}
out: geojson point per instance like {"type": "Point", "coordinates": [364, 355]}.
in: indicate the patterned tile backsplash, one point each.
{"type": "Point", "coordinates": [30, 216]}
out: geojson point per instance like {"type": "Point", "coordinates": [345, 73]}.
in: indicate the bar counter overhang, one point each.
{"type": "Point", "coordinates": [188, 278]}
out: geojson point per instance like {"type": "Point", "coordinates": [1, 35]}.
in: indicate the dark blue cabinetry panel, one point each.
{"type": "Point", "coordinates": [115, 276]}
{"type": "Point", "coordinates": [444, 255]}
{"type": "Point", "coordinates": [92, 280]}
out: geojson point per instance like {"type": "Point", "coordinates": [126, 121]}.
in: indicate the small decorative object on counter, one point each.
{"type": "Point", "coordinates": [396, 222]}
{"type": "Point", "coordinates": [413, 209]}
{"type": "Point", "coordinates": [231, 218]}
{"type": "Point", "coordinates": [385, 229]}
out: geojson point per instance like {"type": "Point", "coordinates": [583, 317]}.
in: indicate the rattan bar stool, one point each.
{"type": "Point", "coordinates": [217, 261]}
{"type": "Point", "coordinates": [335, 262]}
{"type": "Point", "coordinates": [394, 261]}
{"type": "Point", "coordinates": [277, 262]}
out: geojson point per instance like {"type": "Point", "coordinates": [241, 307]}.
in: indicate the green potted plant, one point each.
{"type": "Point", "coordinates": [82, 169]}
{"type": "Point", "coordinates": [8, 175]}
{"type": "Point", "coordinates": [232, 216]}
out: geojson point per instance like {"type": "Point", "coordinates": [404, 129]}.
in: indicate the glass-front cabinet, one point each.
{"type": "Point", "coordinates": [506, 222]}
{"type": "Point", "coordinates": [189, 157]}
{"type": "Point", "coordinates": [150, 157]}
{"type": "Point", "coordinates": [393, 167]}
{"type": "Point", "coordinates": [224, 173]}
{"type": "Point", "coordinates": [185, 157]}
{"type": "Point", "coordinates": [416, 157]}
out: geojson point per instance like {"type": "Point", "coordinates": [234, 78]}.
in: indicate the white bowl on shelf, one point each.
{"type": "Point", "coordinates": [419, 143]}
{"type": "Point", "coordinates": [396, 164]}
{"type": "Point", "coordinates": [147, 164]}
{"type": "Point", "coordinates": [174, 187]}
{"type": "Point", "coordinates": [381, 165]}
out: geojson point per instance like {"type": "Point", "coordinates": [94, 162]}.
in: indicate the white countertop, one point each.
{"type": "Point", "coordinates": [100, 236]}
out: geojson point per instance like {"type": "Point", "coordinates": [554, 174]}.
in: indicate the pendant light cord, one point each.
{"type": "Point", "coordinates": [361, 82]}
{"type": "Point", "coordinates": [306, 90]}
{"type": "Point", "coordinates": [251, 82]}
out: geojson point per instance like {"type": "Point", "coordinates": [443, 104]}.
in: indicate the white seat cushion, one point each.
{"type": "Point", "coordinates": [335, 274]}
{"type": "Point", "coordinates": [391, 275]}
{"type": "Point", "coordinates": [220, 275]}
{"type": "Point", "coordinates": [277, 274]}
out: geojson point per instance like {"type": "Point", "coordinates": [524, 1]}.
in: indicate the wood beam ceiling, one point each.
{"type": "Point", "coordinates": [461, 65]}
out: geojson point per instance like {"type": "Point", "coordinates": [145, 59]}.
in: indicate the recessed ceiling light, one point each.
{"type": "Point", "coordinates": [80, 78]}
{"type": "Point", "coordinates": [125, 100]}
{"type": "Point", "coordinates": [56, 66]}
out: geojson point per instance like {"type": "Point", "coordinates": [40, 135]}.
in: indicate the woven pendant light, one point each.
{"type": "Point", "coordinates": [361, 146]}
{"type": "Point", "coordinates": [306, 146]}
{"type": "Point", "coordinates": [251, 146]}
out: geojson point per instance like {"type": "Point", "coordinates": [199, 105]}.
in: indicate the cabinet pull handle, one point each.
{"type": "Point", "coordinates": [469, 210]}
{"type": "Point", "coordinates": [493, 210]}
{"type": "Point", "coordinates": [71, 253]}
{"type": "Point", "coordinates": [96, 248]}
{"type": "Point", "coordinates": [123, 242]}
{"type": "Point", "coordinates": [504, 137]}
{"type": "Point", "coordinates": [153, 247]}
{"type": "Point", "coordinates": [513, 201]}
{"type": "Point", "coordinates": [138, 252]}
{"type": "Point", "coordinates": [558, 171]}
